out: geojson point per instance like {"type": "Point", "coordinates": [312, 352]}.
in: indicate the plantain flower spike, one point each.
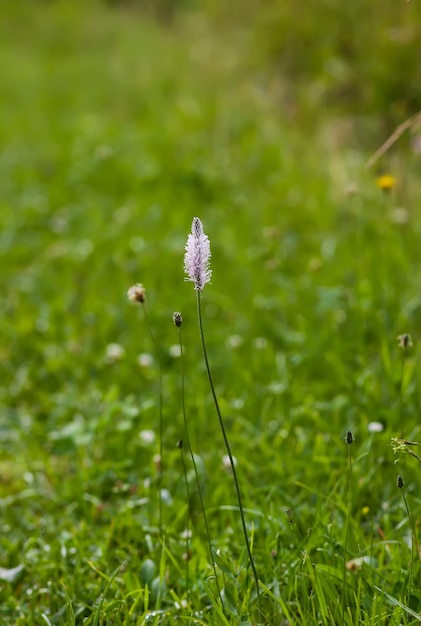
{"type": "Point", "coordinates": [197, 256]}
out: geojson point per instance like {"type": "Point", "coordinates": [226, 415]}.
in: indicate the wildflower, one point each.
{"type": "Point", "coordinates": [399, 216]}
{"type": "Point", "coordinates": [197, 257]}
{"type": "Point", "coordinates": [136, 293]}
{"type": "Point", "coordinates": [349, 438]}
{"type": "Point", "coordinates": [386, 182]}
{"type": "Point", "coordinates": [405, 341]}
{"type": "Point", "coordinates": [234, 341]}
{"type": "Point", "coordinates": [226, 462]}
{"type": "Point", "coordinates": [174, 351]}
{"type": "Point", "coordinates": [375, 427]}
{"type": "Point", "coordinates": [145, 360]}
{"type": "Point", "coordinates": [177, 319]}
{"type": "Point", "coordinates": [114, 352]}
{"type": "Point", "coordinates": [147, 436]}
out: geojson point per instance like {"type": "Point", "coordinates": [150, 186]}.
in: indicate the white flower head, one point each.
{"type": "Point", "coordinates": [136, 293]}
{"type": "Point", "coordinates": [197, 257]}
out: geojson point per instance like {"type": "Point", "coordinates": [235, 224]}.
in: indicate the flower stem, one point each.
{"type": "Point", "coordinates": [161, 420]}
{"type": "Point", "coordinates": [413, 541]}
{"type": "Point", "coordinates": [228, 448]}
{"type": "Point", "coordinates": [187, 555]}
{"type": "Point", "coordinates": [196, 473]}
{"type": "Point", "coordinates": [348, 515]}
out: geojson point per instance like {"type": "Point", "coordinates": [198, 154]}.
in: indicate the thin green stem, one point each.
{"type": "Point", "coordinates": [187, 555]}
{"type": "Point", "coordinates": [401, 393]}
{"type": "Point", "coordinates": [413, 540]}
{"type": "Point", "coordinates": [196, 473]}
{"type": "Point", "coordinates": [228, 449]}
{"type": "Point", "coordinates": [161, 420]}
{"type": "Point", "coordinates": [348, 515]}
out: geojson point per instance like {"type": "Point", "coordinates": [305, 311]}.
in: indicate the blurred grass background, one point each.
{"type": "Point", "coordinates": [120, 122]}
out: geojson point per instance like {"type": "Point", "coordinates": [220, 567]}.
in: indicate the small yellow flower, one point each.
{"type": "Point", "coordinates": [386, 182]}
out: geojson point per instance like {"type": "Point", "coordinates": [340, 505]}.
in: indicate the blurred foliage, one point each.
{"type": "Point", "coordinates": [356, 55]}
{"type": "Point", "coordinates": [357, 58]}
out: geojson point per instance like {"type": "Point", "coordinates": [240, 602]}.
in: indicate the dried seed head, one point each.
{"type": "Point", "coordinates": [177, 319]}
{"type": "Point", "coordinates": [349, 437]}
{"type": "Point", "coordinates": [399, 482]}
{"type": "Point", "coordinates": [180, 444]}
{"type": "Point", "coordinates": [405, 341]}
{"type": "Point", "coordinates": [136, 293]}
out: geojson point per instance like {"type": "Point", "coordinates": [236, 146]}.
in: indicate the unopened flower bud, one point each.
{"type": "Point", "coordinates": [349, 437]}
{"type": "Point", "coordinates": [177, 319]}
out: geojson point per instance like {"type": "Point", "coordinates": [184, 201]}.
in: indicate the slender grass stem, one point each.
{"type": "Point", "coordinates": [228, 448]}
{"type": "Point", "coordinates": [196, 473]}
{"type": "Point", "coordinates": [188, 516]}
{"type": "Point", "coordinates": [401, 392]}
{"type": "Point", "coordinates": [400, 484]}
{"type": "Point", "coordinates": [161, 419]}
{"type": "Point", "coordinates": [349, 440]}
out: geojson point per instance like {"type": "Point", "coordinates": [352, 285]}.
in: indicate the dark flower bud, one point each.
{"type": "Point", "coordinates": [349, 438]}
{"type": "Point", "coordinates": [177, 319]}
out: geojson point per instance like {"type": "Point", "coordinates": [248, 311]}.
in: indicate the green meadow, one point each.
{"type": "Point", "coordinates": [120, 123]}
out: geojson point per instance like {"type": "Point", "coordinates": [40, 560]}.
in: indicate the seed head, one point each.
{"type": "Point", "coordinates": [197, 256]}
{"type": "Point", "coordinates": [349, 437]}
{"type": "Point", "coordinates": [400, 483]}
{"type": "Point", "coordinates": [177, 319]}
{"type": "Point", "coordinates": [405, 341]}
{"type": "Point", "coordinates": [136, 293]}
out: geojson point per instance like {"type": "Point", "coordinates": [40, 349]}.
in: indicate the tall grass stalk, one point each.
{"type": "Point", "coordinates": [228, 448]}
{"type": "Point", "coordinates": [178, 321]}
{"type": "Point", "coordinates": [180, 446]}
{"type": "Point", "coordinates": [400, 484]}
{"type": "Point", "coordinates": [136, 293]}
{"type": "Point", "coordinates": [161, 420]}
{"type": "Point", "coordinates": [405, 342]}
{"type": "Point", "coordinates": [349, 440]}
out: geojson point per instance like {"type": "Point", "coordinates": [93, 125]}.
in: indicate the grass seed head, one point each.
{"type": "Point", "coordinates": [405, 341]}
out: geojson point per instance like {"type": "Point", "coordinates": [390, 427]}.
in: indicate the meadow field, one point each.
{"type": "Point", "coordinates": [121, 122]}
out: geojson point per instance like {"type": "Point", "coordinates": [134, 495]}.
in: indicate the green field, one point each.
{"type": "Point", "coordinates": [120, 123]}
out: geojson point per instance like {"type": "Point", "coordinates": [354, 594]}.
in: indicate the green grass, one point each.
{"type": "Point", "coordinates": [116, 131]}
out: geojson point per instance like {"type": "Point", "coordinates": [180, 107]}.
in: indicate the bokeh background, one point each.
{"type": "Point", "coordinates": [120, 121]}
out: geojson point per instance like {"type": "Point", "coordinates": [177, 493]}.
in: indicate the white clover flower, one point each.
{"type": "Point", "coordinates": [114, 352]}
{"type": "Point", "coordinates": [174, 351]}
{"type": "Point", "coordinates": [136, 293]}
{"type": "Point", "coordinates": [375, 427]}
{"type": "Point", "coordinates": [147, 436]}
{"type": "Point", "coordinates": [145, 359]}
